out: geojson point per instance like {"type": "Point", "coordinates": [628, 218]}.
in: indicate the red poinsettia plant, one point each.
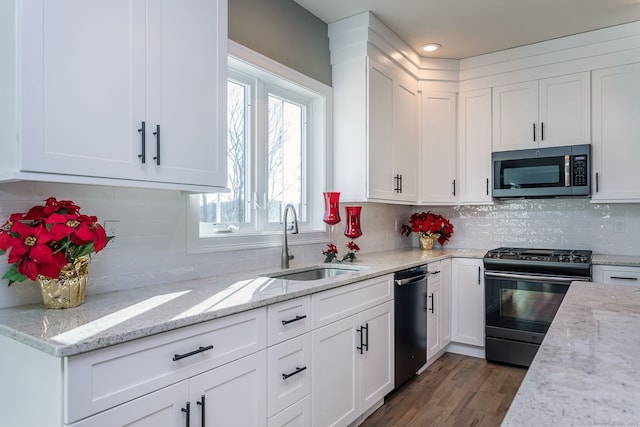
{"type": "Point", "coordinates": [429, 224]}
{"type": "Point", "coordinates": [46, 238]}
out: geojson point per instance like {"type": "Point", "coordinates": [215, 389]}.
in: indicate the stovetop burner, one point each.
{"type": "Point", "coordinates": [543, 255]}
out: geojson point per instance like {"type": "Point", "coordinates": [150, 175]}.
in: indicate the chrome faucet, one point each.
{"type": "Point", "coordinates": [285, 247]}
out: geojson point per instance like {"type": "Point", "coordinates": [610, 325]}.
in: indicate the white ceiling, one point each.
{"type": "Point", "coordinates": [473, 27]}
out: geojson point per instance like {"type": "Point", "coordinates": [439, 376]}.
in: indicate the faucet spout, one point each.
{"type": "Point", "coordinates": [286, 257]}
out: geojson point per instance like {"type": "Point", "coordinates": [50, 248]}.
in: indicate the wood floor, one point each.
{"type": "Point", "coordinates": [455, 390]}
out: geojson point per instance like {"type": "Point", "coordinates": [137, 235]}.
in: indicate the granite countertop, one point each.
{"type": "Point", "coordinates": [587, 370]}
{"type": "Point", "coordinates": [621, 260]}
{"type": "Point", "coordinates": [116, 317]}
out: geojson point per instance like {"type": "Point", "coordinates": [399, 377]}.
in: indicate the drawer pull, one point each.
{"type": "Point", "coordinates": [286, 322]}
{"type": "Point", "coordinates": [191, 353]}
{"type": "Point", "coordinates": [297, 371]}
{"type": "Point", "coordinates": [624, 278]}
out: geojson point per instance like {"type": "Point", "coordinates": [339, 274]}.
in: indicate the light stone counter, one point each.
{"type": "Point", "coordinates": [587, 370]}
{"type": "Point", "coordinates": [622, 260]}
{"type": "Point", "coordinates": [116, 317]}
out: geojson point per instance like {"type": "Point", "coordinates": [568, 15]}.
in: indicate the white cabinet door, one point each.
{"type": "Point", "coordinates": [94, 71]}
{"type": "Point", "coordinates": [377, 358]}
{"type": "Point", "coordinates": [186, 74]}
{"type": "Point", "coordinates": [467, 294]}
{"type": "Point", "coordinates": [82, 87]}
{"type": "Point", "coordinates": [165, 407]}
{"type": "Point", "coordinates": [438, 307]}
{"type": "Point", "coordinates": [444, 304]}
{"type": "Point", "coordinates": [565, 110]}
{"type": "Point", "coordinates": [334, 386]}
{"type": "Point", "coordinates": [433, 321]}
{"type": "Point", "coordinates": [515, 116]}
{"type": "Point", "coordinates": [381, 168]}
{"type": "Point", "coordinates": [474, 154]}
{"type": "Point", "coordinates": [616, 134]}
{"type": "Point", "coordinates": [438, 148]}
{"type": "Point", "coordinates": [392, 133]}
{"type": "Point", "coordinates": [234, 394]}
{"type": "Point", "coordinates": [405, 139]}
{"type": "Point", "coordinates": [544, 113]}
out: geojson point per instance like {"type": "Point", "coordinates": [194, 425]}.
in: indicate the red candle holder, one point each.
{"type": "Point", "coordinates": [331, 209]}
{"type": "Point", "coordinates": [353, 230]}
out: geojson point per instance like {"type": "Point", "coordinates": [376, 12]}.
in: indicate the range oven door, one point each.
{"type": "Point", "coordinates": [521, 307]}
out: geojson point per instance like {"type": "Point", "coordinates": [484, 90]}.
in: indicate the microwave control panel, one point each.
{"type": "Point", "coordinates": [579, 177]}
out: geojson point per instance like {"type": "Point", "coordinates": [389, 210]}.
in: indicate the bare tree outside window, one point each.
{"type": "Point", "coordinates": [284, 160]}
{"type": "Point", "coordinates": [230, 208]}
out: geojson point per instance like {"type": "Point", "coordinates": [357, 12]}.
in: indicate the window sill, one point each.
{"type": "Point", "coordinates": [237, 242]}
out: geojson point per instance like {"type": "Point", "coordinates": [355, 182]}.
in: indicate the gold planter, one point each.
{"type": "Point", "coordinates": [69, 289]}
{"type": "Point", "coordinates": [426, 243]}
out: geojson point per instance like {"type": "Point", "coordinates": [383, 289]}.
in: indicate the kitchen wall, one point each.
{"type": "Point", "coordinates": [152, 249]}
{"type": "Point", "coordinates": [284, 31]}
{"type": "Point", "coordinates": [553, 223]}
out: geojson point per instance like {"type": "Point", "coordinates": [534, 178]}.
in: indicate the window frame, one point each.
{"type": "Point", "coordinates": [278, 79]}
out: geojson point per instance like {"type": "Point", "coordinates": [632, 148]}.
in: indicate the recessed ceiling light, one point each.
{"type": "Point", "coordinates": [431, 47]}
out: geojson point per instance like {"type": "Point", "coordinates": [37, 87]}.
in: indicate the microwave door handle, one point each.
{"type": "Point", "coordinates": [546, 279]}
{"type": "Point", "coordinates": [567, 171]}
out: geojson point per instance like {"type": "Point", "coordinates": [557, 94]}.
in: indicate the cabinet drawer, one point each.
{"type": "Point", "coordinates": [621, 275]}
{"type": "Point", "coordinates": [291, 359]}
{"type": "Point", "coordinates": [104, 378]}
{"type": "Point", "coordinates": [296, 415]}
{"type": "Point", "coordinates": [288, 319]}
{"type": "Point", "coordinates": [338, 303]}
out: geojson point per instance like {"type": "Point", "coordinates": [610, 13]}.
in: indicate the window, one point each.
{"type": "Point", "coordinates": [277, 150]}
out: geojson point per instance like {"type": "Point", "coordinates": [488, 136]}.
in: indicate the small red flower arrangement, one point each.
{"type": "Point", "coordinates": [331, 252]}
{"type": "Point", "coordinates": [429, 224]}
{"type": "Point", "coordinates": [47, 238]}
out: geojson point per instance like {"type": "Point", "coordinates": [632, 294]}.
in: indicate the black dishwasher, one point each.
{"type": "Point", "coordinates": [410, 295]}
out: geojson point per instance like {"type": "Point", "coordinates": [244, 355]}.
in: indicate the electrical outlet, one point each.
{"type": "Point", "coordinates": [111, 228]}
{"type": "Point", "coordinates": [619, 225]}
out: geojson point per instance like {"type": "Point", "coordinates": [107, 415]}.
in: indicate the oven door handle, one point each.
{"type": "Point", "coordinates": [548, 279]}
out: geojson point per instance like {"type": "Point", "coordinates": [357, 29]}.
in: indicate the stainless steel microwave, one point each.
{"type": "Point", "coordinates": [542, 172]}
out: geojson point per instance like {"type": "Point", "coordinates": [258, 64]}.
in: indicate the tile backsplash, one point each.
{"type": "Point", "coordinates": [151, 247]}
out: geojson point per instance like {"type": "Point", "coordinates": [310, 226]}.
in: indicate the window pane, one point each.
{"type": "Point", "coordinates": [230, 208]}
{"type": "Point", "coordinates": [284, 156]}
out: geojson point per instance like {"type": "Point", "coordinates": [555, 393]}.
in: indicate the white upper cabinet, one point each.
{"type": "Point", "coordinates": [474, 147]}
{"type": "Point", "coordinates": [92, 72]}
{"type": "Point", "coordinates": [616, 134]}
{"type": "Point", "coordinates": [542, 113]}
{"type": "Point", "coordinates": [376, 131]}
{"type": "Point", "coordinates": [437, 168]}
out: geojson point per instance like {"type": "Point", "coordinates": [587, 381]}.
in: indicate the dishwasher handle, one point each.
{"type": "Point", "coordinates": [409, 280]}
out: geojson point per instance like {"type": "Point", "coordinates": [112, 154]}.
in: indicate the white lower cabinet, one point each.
{"type": "Point", "coordinates": [438, 307]}
{"type": "Point", "coordinates": [289, 371]}
{"type": "Point", "coordinates": [231, 395]}
{"type": "Point", "coordinates": [467, 294]}
{"type": "Point", "coordinates": [353, 355]}
{"type": "Point", "coordinates": [161, 408]}
{"type": "Point", "coordinates": [616, 274]}
{"type": "Point", "coordinates": [296, 415]}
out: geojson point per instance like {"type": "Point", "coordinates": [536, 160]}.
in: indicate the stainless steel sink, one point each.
{"type": "Point", "coordinates": [314, 273]}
